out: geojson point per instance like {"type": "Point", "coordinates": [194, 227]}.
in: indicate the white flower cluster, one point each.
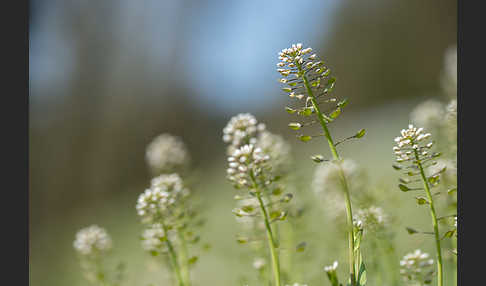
{"type": "Point", "coordinates": [372, 218]}
{"type": "Point", "coordinates": [411, 141]}
{"type": "Point", "coordinates": [92, 240]}
{"type": "Point", "coordinates": [416, 267]}
{"type": "Point", "coordinates": [153, 238]}
{"type": "Point", "coordinates": [429, 113]}
{"type": "Point", "coordinates": [332, 267]}
{"type": "Point", "coordinates": [166, 153]}
{"type": "Point", "coordinates": [277, 148]}
{"type": "Point", "coordinates": [242, 129]}
{"type": "Point", "coordinates": [164, 192]}
{"type": "Point", "coordinates": [295, 60]}
{"type": "Point", "coordinates": [259, 263]}
{"type": "Point", "coordinates": [246, 162]}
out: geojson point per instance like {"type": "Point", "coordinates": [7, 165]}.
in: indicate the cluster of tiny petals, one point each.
{"type": "Point", "coordinates": [373, 218]}
{"type": "Point", "coordinates": [243, 162]}
{"type": "Point", "coordinates": [166, 153]}
{"type": "Point", "coordinates": [332, 267]}
{"type": "Point", "coordinates": [165, 191]}
{"type": "Point", "coordinates": [92, 239]}
{"type": "Point", "coordinates": [416, 266]}
{"type": "Point", "coordinates": [152, 238]}
{"type": "Point", "coordinates": [242, 129]}
{"type": "Point", "coordinates": [411, 140]}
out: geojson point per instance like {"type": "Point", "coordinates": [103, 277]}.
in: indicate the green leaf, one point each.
{"type": "Point", "coordinates": [154, 253]}
{"type": "Point", "coordinates": [248, 208]}
{"type": "Point", "coordinates": [275, 214]}
{"type": "Point", "coordinates": [452, 191]}
{"type": "Point", "coordinates": [360, 133]}
{"type": "Point", "coordinates": [335, 113]}
{"type": "Point", "coordinates": [421, 200]}
{"type": "Point", "coordinates": [192, 260]}
{"type": "Point", "coordinates": [317, 158]}
{"type": "Point", "coordinates": [397, 167]}
{"type": "Point", "coordinates": [290, 110]}
{"type": "Point", "coordinates": [411, 230]}
{"type": "Point", "coordinates": [330, 85]}
{"type": "Point", "coordinates": [295, 125]}
{"type": "Point", "coordinates": [404, 188]}
{"type": "Point", "coordinates": [242, 240]}
{"type": "Point", "coordinates": [342, 103]}
{"type": "Point", "coordinates": [301, 246]}
{"type": "Point", "coordinates": [305, 138]}
{"type": "Point", "coordinates": [362, 274]}
{"type": "Point", "coordinates": [433, 179]}
{"type": "Point", "coordinates": [287, 89]}
{"type": "Point", "coordinates": [450, 233]}
{"type": "Point", "coordinates": [306, 111]}
{"type": "Point", "coordinates": [277, 191]}
{"type": "Point", "coordinates": [404, 181]}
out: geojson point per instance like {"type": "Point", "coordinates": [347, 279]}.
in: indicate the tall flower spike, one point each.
{"type": "Point", "coordinates": [413, 152]}
{"type": "Point", "coordinates": [308, 80]}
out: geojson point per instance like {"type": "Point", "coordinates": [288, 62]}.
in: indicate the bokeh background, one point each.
{"type": "Point", "coordinates": [107, 76]}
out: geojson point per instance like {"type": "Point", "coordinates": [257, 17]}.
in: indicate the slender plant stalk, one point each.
{"type": "Point", "coordinates": [184, 260]}
{"type": "Point", "coordinates": [344, 183]}
{"type": "Point", "coordinates": [173, 258]}
{"type": "Point", "coordinates": [434, 221]}
{"type": "Point", "coordinates": [270, 238]}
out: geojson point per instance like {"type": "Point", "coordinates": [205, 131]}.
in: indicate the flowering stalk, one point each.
{"type": "Point", "coordinates": [411, 148]}
{"type": "Point", "coordinates": [173, 258]}
{"type": "Point", "coordinates": [300, 66]}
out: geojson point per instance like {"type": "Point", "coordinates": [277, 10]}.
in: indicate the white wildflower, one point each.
{"type": "Point", "coordinates": [411, 143]}
{"type": "Point", "coordinates": [429, 114]}
{"type": "Point", "coordinates": [164, 192]}
{"type": "Point", "coordinates": [92, 240]}
{"type": "Point", "coordinates": [332, 267]}
{"type": "Point", "coordinates": [416, 267]}
{"type": "Point", "coordinates": [372, 218]}
{"type": "Point", "coordinates": [246, 163]}
{"type": "Point", "coordinates": [166, 153]}
{"type": "Point", "coordinates": [277, 148]}
{"type": "Point", "coordinates": [242, 129]}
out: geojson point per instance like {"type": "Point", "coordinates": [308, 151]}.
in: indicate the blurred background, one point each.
{"type": "Point", "coordinates": [106, 77]}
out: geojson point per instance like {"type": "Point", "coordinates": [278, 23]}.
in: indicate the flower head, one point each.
{"type": "Point", "coordinates": [166, 153]}
{"type": "Point", "coordinates": [331, 268]}
{"type": "Point", "coordinates": [242, 129]}
{"type": "Point", "coordinates": [277, 149]}
{"type": "Point", "coordinates": [327, 176]}
{"type": "Point", "coordinates": [412, 143]}
{"type": "Point", "coordinates": [245, 164]}
{"type": "Point", "coordinates": [372, 218]}
{"type": "Point", "coordinates": [164, 193]}
{"type": "Point", "coordinates": [92, 240]}
{"type": "Point", "coordinates": [259, 263]}
{"type": "Point", "coordinates": [416, 267]}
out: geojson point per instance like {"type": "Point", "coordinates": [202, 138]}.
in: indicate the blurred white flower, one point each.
{"type": "Point", "coordinates": [259, 263]}
{"type": "Point", "coordinates": [372, 218]}
{"type": "Point", "coordinates": [277, 148]}
{"type": "Point", "coordinates": [166, 153]}
{"type": "Point", "coordinates": [332, 267]}
{"type": "Point", "coordinates": [449, 74]}
{"type": "Point", "coordinates": [92, 240]}
{"type": "Point", "coordinates": [416, 268]}
{"type": "Point", "coordinates": [429, 114]}
{"type": "Point", "coordinates": [242, 129]}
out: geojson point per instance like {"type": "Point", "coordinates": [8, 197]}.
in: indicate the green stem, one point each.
{"type": "Point", "coordinates": [184, 258]}
{"type": "Point", "coordinates": [173, 257]}
{"type": "Point", "coordinates": [434, 221]}
{"type": "Point", "coordinates": [271, 241]}
{"type": "Point", "coordinates": [347, 199]}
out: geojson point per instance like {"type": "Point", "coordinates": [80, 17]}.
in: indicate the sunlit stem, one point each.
{"type": "Point", "coordinates": [344, 183]}
{"type": "Point", "coordinates": [434, 220]}
{"type": "Point", "coordinates": [184, 260]}
{"type": "Point", "coordinates": [270, 238]}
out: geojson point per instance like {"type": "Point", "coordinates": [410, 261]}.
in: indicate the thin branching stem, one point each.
{"type": "Point", "coordinates": [434, 221]}
{"type": "Point", "coordinates": [344, 183]}
{"type": "Point", "coordinates": [184, 260]}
